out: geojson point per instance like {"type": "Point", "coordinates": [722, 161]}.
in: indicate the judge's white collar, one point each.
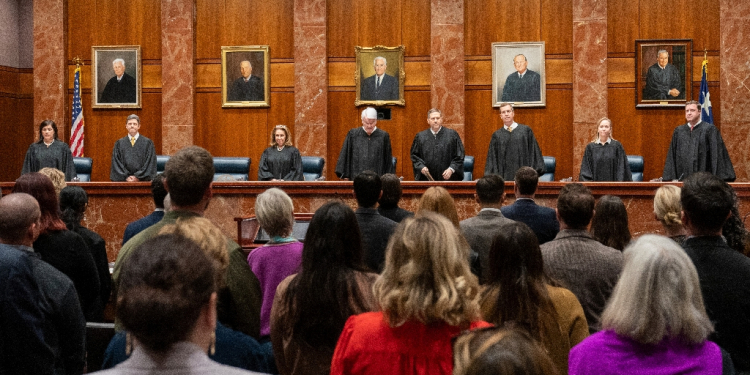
{"type": "Point", "coordinates": [136, 136]}
{"type": "Point", "coordinates": [438, 131]}
{"type": "Point", "coordinates": [373, 129]}
{"type": "Point", "coordinates": [597, 141]}
{"type": "Point", "coordinates": [512, 126]}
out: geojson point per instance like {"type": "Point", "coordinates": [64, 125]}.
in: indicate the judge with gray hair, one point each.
{"type": "Point", "coordinates": [365, 148]}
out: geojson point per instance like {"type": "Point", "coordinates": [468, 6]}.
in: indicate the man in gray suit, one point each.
{"type": "Point", "coordinates": [480, 230]}
{"type": "Point", "coordinates": [582, 264]}
{"type": "Point", "coordinates": [375, 229]}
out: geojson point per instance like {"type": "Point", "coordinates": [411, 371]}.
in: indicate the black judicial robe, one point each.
{"type": "Point", "coordinates": [57, 156]}
{"type": "Point", "coordinates": [138, 160]}
{"type": "Point", "coordinates": [659, 81]}
{"type": "Point", "coordinates": [699, 150]}
{"type": "Point", "coordinates": [437, 153]}
{"type": "Point", "coordinates": [281, 165]}
{"type": "Point", "coordinates": [120, 92]}
{"type": "Point", "coordinates": [605, 162]}
{"type": "Point", "coordinates": [512, 150]}
{"type": "Point", "coordinates": [361, 152]}
{"type": "Point", "coordinates": [244, 91]}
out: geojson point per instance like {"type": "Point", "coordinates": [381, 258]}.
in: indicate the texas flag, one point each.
{"type": "Point", "coordinates": [707, 114]}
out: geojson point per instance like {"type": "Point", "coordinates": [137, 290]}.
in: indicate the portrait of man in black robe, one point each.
{"type": "Point", "coordinates": [663, 81]}
{"type": "Point", "coordinates": [121, 88]}
{"type": "Point", "coordinates": [248, 88]}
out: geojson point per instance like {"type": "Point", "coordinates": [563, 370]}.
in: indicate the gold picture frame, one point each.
{"type": "Point", "coordinates": [650, 78]}
{"type": "Point", "coordinates": [508, 85]}
{"type": "Point", "coordinates": [239, 90]}
{"type": "Point", "coordinates": [108, 90]}
{"type": "Point", "coordinates": [390, 88]}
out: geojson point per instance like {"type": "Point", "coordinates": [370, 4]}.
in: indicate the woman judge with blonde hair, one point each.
{"type": "Point", "coordinates": [427, 294]}
{"type": "Point", "coordinates": [281, 161]}
{"type": "Point", "coordinates": [604, 158]}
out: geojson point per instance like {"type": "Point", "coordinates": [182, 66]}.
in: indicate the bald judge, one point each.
{"type": "Point", "coordinates": [365, 148]}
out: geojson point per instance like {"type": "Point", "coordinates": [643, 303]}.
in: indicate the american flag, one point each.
{"type": "Point", "coordinates": [76, 136]}
{"type": "Point", "coordinates": [707, 114]}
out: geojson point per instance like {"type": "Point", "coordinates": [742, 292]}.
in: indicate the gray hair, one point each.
{"type": "Point", "coordinates": [433, 110]}
{"type": "Point", "coordinates": [658, 295]}
{"type": "Point", "coordinates": [134, 117]}
{"type": "Point", "coordinates": [121, 61]}
{"type": "Point", "coordinates": [369, 111]}
{"type": "Point", "coordinates": [662, 51]}
{"type": "Point", "coordinates": [375, 61]}
{"type": "Point", "coordinates": [275, 212]}
{"type": "Point", "coordinates": [248, 63]}
{"type": "Point", "coordinates": [520, 54]}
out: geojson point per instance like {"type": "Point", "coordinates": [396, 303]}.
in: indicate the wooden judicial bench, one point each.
{"type": "Point", "coordinates": [113, 205]}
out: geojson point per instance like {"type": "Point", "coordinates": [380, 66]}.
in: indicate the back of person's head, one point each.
{"type": "Point", "coordinates": [526, 180]}
{"type": "Point", "coordinates": [706, 200]}
{"type": "Point", "coordinates": [188, 175]}
{"type": "Point", "coordinates": [658, 295]}
{"type": "Point", "coordinates": [367, 187]}
{"type": "Point", "coordinates": [40, 187]}
{"type": "Point", "coordinates": [575, 205]}
{"type": "Point", "coordinates": [324, 293]}
{"type": "Point", "coordinates": [426, 275]}
{"type": "Point", "coordinates": [164, 285]}
{"type": "Point", "coordinates": [56, 176]}
{"type": "Point", "coordinates": [610, 223]}
{"type": "Point", "coordinates": [158, 191]}
{"type": "Point", "coordinates": [667, 207]}
{"type": "Point", "coordinates": [208, 237]}
{"type": "Point", "coordinates": [17, 212]}
{"type": "Point", "coordinates": [515, 254]}
{"type": "Point", "coordinates": [275, 212]}
{"type": "Point", "coordinates": [490, 189]}
{"type": "Point", "coordinates": [734, 231]}
{"type": "Point", "coordinates": [500, 351]}
{"type": "Point", "coordinates": [391, 190]}
{"type": "Point", "coordinates": [439, 200]}
{"type": "Point", "coordinates": [73, 201]}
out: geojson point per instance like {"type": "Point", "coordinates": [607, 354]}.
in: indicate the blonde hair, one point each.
{"type": "Point", "coordinates": [288, 140]}
{"type": "Point", "coordinates": [658, 295]}
{"type": "Point", "coordinates": [426, 275]}
{"type": "Point", "coordinates": [275, 212]}
{"type": "Point", "coordinates": [208, 237]}
{"type": "Point", "coordinates": [596, 132]}
{"type": "Point", "coordinates": [439, 200]}
{"type": "Point", "coordinates": [57, 177]}
{"type": "Point", "coordinates": [667, 206]}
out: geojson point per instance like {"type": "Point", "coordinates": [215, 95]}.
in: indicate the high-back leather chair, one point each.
{"type": "Point", "coordinates": [161, 162]}
{"type": "Point", "coordinates": [84, 166]}
{"type": "Point", "coordinates": [231, 168]}
{"type": "Point", "coordinates": [550, 163]}
{"type": "Point", "coordinates": [636, 167]}
{"type": "Point", "coordinates": [312, 167]}
{"type": "Point", "coordinates": [468, 168]}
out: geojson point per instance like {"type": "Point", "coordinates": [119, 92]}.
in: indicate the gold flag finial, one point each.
{"type": "Point", "coordinates": [78, 61]}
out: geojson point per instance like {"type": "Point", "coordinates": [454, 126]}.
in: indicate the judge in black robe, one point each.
{"type": "Point", "coordinates": [138, 160]}
{"type": "Point", "coordinates": [510, 150]}
{"type": "Point", "coordinates": [120, 91]}
{"type": "Point", "coordinates": [438, 149]}
{"type": "Point", "coordinates": [605, 158]}
{"type": "Point", "coordinates": [50, 152]}
{"type": "Point", "coordinates": [699, 149]}
{"type": "Point", "coordinates": [365, 151]}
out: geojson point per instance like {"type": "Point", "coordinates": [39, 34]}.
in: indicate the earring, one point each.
{"type": "Point", "coordinates": [128, 344]}
{"type": "Point", "coordinates": [212, 345]}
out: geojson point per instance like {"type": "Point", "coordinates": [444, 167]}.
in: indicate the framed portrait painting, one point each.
{"type": "Point", "coordinates": [663, 69]}
{"type": "Point", "coordinates": [379, 76]}
{"type": "Point", "coordinates": [116, 76]}
{"type": "Point", "coordinates": [245, 76]}
{"type": "Point", "coordinates": [518, 74]}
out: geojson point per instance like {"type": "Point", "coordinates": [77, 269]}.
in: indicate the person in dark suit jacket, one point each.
{"type": "Point", "coordinates": [542, 220]}
{"type": "Point", "coordinates": [379, 86]}
{"type": "Point", "coordinates": [388, 202]}
{"type": "Point", "coordinates": [121, 88]}
{"type": "Point", "coordinates": [159, 193]}
{"type": "Point", "coordinates": [724, 273]}
{"type": "Point", "coordinates": [480, 230]}
{"type": "Point", "coordinates": [376, 229]}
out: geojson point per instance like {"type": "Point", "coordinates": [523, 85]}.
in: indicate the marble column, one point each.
{"type": "Point", "coordinates": [447, 62]}
{"type": "Point", "coordinates": [734, 19]}
{"type": "Point", "coordinates": [589, 73]}
{"type": "Point", "coordinates": [50, 65]}
{"type": "Point", "coordinates": [178, 82]}
{"type": "Point", "coordinates": [311, 78]}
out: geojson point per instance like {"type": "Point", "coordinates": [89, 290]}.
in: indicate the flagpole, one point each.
{"type": "Point", "coordinates": [77, 127]}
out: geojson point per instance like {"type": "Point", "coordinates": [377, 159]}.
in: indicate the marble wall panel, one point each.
{"type": "Point", "coordinates": [50, 64]}
{"type": "Point", "coordinates": [175, 137]}
{"type": "Point", "coordinates": [447, 73]}
{"type": "Point", "coordinates": [178, 82]}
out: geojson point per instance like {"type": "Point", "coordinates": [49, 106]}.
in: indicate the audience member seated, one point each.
{"type": "Point", "coordinates": [63, 322]}
{"type": "Point", "coordinates": [610, 223]}
{"type": "Point", "coordinates": [655, 322]}
{"type": "Point", "coordinates": [724, 273]}
{"type": "Point", "coordinates": [232, 348]}
{"type": "Point", "coordinates": [375, 229]}
{"type": "Point", "coordinates": [667, 209]}
{"type": "Point", "coordinates": [158, 193]}
{"type": "Point", "coordinates": [171, 315]}
{"type": "Point", "coordinates": [481, 229]}
{"type": "Point", "coordinates": [187, 178]}
{"type": "Point", "coordinates": [519, 291]}
{"type": "Point", "coordinates": [428, 295]}
{"type": "Point", "coordinates": [500, 351]}
{"type": "Point", "coordinates": [542, 220]}
{"type": "Point", "coordinates": [388, 202]}
{"type": "Point", "coordinates": [311, 307]}
{"type": "Point", "coordinates": [57, 177]}
{"type": "Point", "coordinates": [60, 247]}
{"type": "Point", "coordinates": [575, 259]}
{"type": "Point", "coordinates": [73, 204]}
{"type": "Point", "coordinates": [280, 257]}
{"type": "Point", "coordinates": [738, 238]}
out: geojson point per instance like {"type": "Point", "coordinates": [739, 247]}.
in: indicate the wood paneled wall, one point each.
{"type": "Point", "coordinates": [16, 109]}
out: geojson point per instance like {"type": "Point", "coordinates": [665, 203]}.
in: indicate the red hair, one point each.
{"type": "Point", "coordinates": [40, 187]}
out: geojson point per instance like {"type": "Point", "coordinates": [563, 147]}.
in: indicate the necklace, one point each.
{"type": "Point", "coordinates": [279, 148]}
{"type": "Point", "coordinates": [49, 144]}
